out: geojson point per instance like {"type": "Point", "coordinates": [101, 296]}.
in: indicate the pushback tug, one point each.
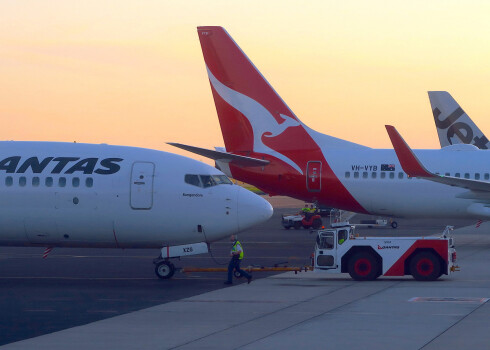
{"type": "Point", "coordinates": [340, 250]}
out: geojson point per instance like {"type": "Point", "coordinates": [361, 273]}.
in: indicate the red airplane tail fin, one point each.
{"type": "Point", "coordinates": [258, 126]}
{"type": "Point", "coordinates": [255, 121]}
{"type": "Point", "coordinates": [247, 105]}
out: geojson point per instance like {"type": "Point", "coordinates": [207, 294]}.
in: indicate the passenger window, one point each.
{"type": "Point", "coordinates": [192, 180]}
{"type": "Point", "coordinates": [356, 174]}
{"type": "Point", "coordinates": [365, 175]}
{"type": "Point", "coordinates": [487, 176]}
{"type": "Point", "coordinates": [466, 175]}
{"type": "Point", "coordinates": [383, 175]}
{"type": "Point", "coordinates": [457, 175]}
{"type": "Point", "coordinates": [75, 182]}
{"type": "Point", "coordinates": [373, 175]}
{"type": "Point", "coordinates": [400, 175]}
{"type": "Point", "coordinates": [89, 182]}
{"type": "Point", "coordinates": [347, 174]}
{"type": "Point", "coordinates": [35, 181]}
{"type": "Point", "coordinates": [48, 182]}
{"type": "Point", "coordinates": [62, 181]}
{"type": "Point", "coordinates": [392, 175]}
{"type": "Point", "coordinates": [447, 174]}
{"type": "Point", "coordinates": [477, 176]}
{"type": "Point", "coordinates": [22, 181]}
{"type": "Point", "coordinates": [9, 181]}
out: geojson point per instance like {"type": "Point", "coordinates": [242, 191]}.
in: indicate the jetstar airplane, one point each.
{"type": "Point", "coordinates": [269, 147]}
{"type": "Point", "coordinates": [85, 195]}
{"type": "Point", "coordinates": [453, 125]}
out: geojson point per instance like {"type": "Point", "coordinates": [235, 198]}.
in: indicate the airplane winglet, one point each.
{"type": "Point", "coordinates": [408, 160]}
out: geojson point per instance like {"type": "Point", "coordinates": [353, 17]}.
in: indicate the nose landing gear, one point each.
{"type": "Point", "coordinates": [164, 269]}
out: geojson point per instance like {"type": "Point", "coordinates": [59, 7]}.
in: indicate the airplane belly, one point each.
{"type": "Point", "coordinates": [12, 232]}
{"type": "Point", "coordinates": [41, 230]}
{"type": "Point", "coordinates": [414, 198]}
{"type": "Point", "coordinates": [189, 216]}
{"type": "Point", "coordinates": [84, 219]}
{"type": "Point", "coordinates": [24, 222]}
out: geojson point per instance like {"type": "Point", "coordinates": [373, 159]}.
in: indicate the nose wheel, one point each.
{"type": "Point", "coordinates": [164, 269]}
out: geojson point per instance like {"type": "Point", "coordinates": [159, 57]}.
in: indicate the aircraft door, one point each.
{"type": "Point", "coordinates": [314, 176]}
{"type": "Point", "coordinates": [142, 185]}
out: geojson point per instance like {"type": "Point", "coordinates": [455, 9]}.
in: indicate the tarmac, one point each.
{"type": "Point", "coordinates": [310, 310]}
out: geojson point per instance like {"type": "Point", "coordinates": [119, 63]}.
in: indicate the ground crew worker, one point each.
{"type": "Point", "coordinates": [236, 258]}
{"type": "Point", "coordinates": [305, 210]}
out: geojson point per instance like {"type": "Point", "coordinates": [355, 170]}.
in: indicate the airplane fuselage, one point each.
{"type": "Point", "coordinates": [375, 182]}
{"type": "Point", "coordinates": [84, 195]}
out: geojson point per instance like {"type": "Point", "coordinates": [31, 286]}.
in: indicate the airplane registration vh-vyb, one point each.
{"type": "Point", "coordinates": [85, 195]}
{"type": "Point", "coordinates": [286, 157]}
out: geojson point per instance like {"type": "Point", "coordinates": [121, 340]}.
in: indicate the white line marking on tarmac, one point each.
{"type": "Point", "coordinates": [102, 311]}
{"type": "Point", "coordinates": [39, 310]}
{"type": "Point", "coordinates": [75, 278]}
{"type": "Point", "coordinates": [225, 257]}
{"type": "Point", "coordinates": [235, 301]}
{"type": "Point", "coordinates": [103, 278]}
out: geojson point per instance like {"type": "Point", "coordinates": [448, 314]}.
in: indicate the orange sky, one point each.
{"type": "Point", "coordinates": [132, 73]}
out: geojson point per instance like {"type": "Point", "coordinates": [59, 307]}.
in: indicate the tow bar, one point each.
{"type": "Point", "coordinates": [296, 269]}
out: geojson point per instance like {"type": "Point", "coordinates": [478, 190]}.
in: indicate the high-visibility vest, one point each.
{"type": "Point", "coordinates": [233, 249]}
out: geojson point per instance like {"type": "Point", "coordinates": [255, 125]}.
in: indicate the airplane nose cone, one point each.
{"type": "Point", "coordinates": [252, 209]}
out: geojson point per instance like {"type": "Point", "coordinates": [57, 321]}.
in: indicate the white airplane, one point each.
{"type": "Point", "coordinates": [453, 125]}
{"type": "Point", "coordinates": [84, 195]}
{"type": "Point", "coordinates": [269, 147]}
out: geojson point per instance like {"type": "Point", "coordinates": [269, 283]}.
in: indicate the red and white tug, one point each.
{"type": "Point", "coordinates": [339, 250]}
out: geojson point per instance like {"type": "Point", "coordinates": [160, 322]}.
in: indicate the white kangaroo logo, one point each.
{"type": "Point", "coordinates": [262, 121]}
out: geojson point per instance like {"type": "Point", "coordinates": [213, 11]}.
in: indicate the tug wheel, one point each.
{"type": "Point", "coordinates": [425, 266]}
{"type": "Point", "coordinates": [164, 269]}
{"type": "Point", "coordinates": [363, 267]}
{"type": "Point", "coordinates": [297, 225]}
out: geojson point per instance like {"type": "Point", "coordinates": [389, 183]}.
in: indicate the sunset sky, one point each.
{"type": "Point", "coordinates": [132, 73]}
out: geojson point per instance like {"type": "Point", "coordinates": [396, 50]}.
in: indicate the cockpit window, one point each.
{"type": "Point", "coordinates": [192, 180]}
{"type": "Point", "coordinates": [206, 181]}
{"type": "Point", "coordinates": [222, 179]}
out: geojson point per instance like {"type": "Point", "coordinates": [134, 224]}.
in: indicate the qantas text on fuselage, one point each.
{"type": "Point", "coordinates": [59, 165]}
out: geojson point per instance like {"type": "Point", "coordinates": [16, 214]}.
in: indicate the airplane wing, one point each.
{"type": "Point", "coordinates": [454, 126]}
{"type": "Point", "coordinates": [223, 156]}
{"type": "Point", "coordinates": [414, 168]}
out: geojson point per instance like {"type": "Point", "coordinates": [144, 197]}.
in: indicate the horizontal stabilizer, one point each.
{"type": "Point", "coordinates": [223, 156]}
{"type": "Point", "coordinates": [414, 168]}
